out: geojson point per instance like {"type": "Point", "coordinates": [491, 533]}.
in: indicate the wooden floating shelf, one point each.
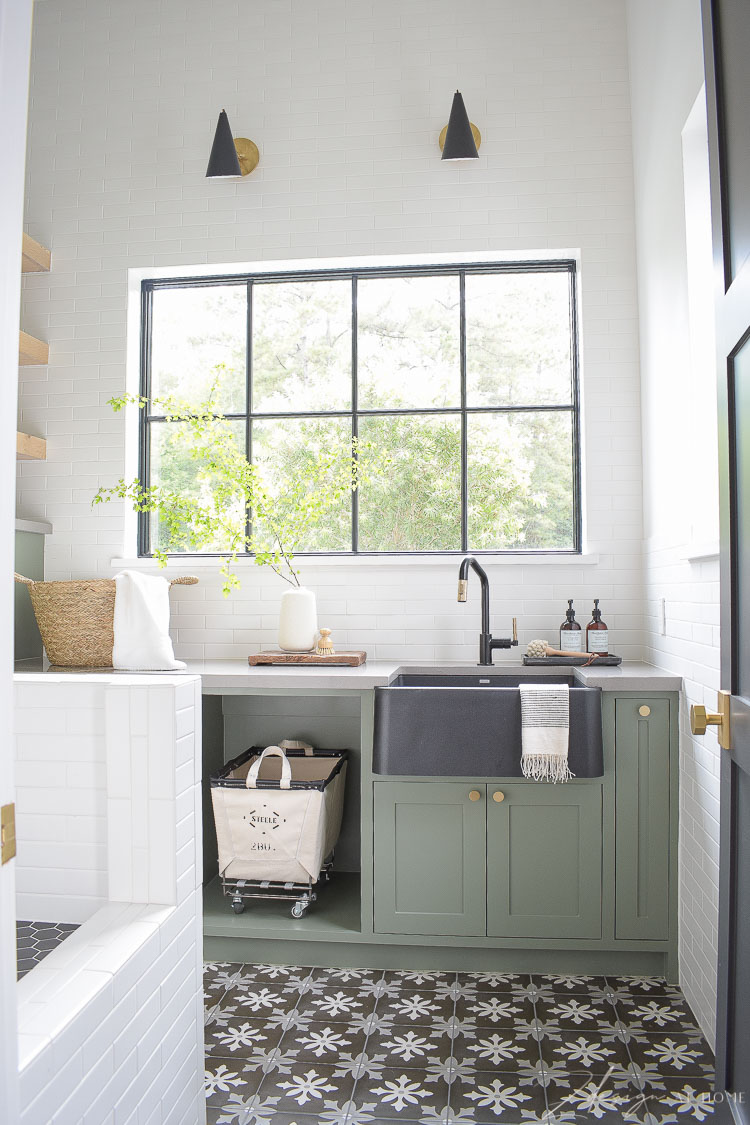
{"type": "Point", "coordinates": [30, 448]}
{"type": "Point", "coordinates": [35, 258]}
{"type": "Point", "coordinates": [31, 351]}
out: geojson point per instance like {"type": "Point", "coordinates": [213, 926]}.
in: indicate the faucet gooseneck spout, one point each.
{"type": "Point", "coordinates": [486, 641]}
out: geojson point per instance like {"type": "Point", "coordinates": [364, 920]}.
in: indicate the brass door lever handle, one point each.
{"type": "Point", "coordinates": [701, 719]}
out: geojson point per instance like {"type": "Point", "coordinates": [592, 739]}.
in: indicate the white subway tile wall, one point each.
{"type": "Point", "coordinates": [111, 1023]}
{"type": "Point", "coordinates": [61, 801]}
{"type": "Point", "coordinates": [666, 73]}
{"type": "Point", "coordinates": [346, 103]}
{"type": "Point", "coordinates": [683, 599]}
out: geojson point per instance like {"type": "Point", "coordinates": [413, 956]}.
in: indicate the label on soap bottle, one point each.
{"type": "Point", "coordinates": [598, 640]}
{"type": "Point", "coordinates": [571, 640]}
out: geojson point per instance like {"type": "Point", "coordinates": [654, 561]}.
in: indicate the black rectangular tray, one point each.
{"type": "Point", "coordinates": [574, 661]}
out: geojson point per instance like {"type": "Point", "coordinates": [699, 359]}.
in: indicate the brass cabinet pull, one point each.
{"type": "Point", "coordinates": [498, 796]}
{"type": "Point", "coordinates": [644, 711]}
{"type": "Point", "coordinates": [474, 795]}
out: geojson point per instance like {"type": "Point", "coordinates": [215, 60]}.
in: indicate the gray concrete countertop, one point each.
{"type": "Point", "coordinates": [234, 676]}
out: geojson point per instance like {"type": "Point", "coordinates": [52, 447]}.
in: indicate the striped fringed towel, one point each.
{"type": "Point", "coordinates": [544, 732]}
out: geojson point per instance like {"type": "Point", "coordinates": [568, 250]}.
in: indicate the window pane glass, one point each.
{"type": "Point", "coordinates": [416, 504]}
{"type": "Point", "coordinates": [287, 452]}
{"type": "Point", "coordinates": [408, 342]}
{"type": "Point", "coordinates": [520, 480]}
{"type": "Point", "coordinates": [181, 463]}
{"type": "Point", "coordinates": [518, 339]}
{"type": "Point", "coordinates": [302, 346]}
{"type": "Point", "coordinates": [198, 345]}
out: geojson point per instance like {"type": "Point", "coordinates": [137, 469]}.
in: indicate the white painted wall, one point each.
{"type": "Point", "coordinates": [15, 36]}
{"type": "Point", "coordinates": [666, 76]}
{"type": "Point", "coordinates": [345, 102]}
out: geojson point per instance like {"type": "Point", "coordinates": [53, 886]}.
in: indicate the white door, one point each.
{"type": "Point", "coordinates": [15, 45]}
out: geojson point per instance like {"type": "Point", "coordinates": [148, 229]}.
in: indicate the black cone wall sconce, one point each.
{"type": "Point", "coordinates": [460, 139]}
{"type": "Point", "coordinates": [230, 156]}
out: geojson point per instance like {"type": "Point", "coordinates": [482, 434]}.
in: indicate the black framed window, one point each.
{"type": "Point", "coordinates": [467, 377]}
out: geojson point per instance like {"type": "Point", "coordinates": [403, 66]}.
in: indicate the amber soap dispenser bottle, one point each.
{"type": "Point", "coordinates": [571, 633]}
{"type": "Point", "coordinates": [597, 633]}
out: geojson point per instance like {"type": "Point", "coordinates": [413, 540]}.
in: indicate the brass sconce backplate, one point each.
{"type": "Point", "coordinates": [474, 132]}
{"type": "Point", "coordinates": [247, 153]}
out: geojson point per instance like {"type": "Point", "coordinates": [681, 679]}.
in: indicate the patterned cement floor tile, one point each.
{"type": "Point", "coordinates": [411, 1008]}
{"type": "Point", "coordinates": [494, 982]}
{"type": "Point", "coordinates": [674, 1055]}
{"type": "Point", "coordinates": [240, 1037]}
{"type": "Point", "coordinates": [582, 1051]}
{"type": "Point", "coordinates": [498, 1096]}
{"type": "Point", "coordinates": [336, 1004]}
{"type": "Point", "coordinates": [307, 1086]}
{"type": "Point", "coordinates": [322, 1041]}
{"type": "Point", "coordinates": [496, 1010]}
{"type": "Point", "coordinates": [293, 1045]}
{"type": "Point", "coordinates": [404, 1094]}
{"type": "Point", "coordinates": [687, 1100]}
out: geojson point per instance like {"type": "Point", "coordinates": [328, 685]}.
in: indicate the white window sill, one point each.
{"type": "Point", "coordinates": [196, 562]}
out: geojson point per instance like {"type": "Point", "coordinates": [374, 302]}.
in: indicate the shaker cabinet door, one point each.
{"type": "Point", "coordinates": [544, 860]}
{"type": "Point", "coordinates": [642, 811]}
{"type": "Point", "coordinates": [429, 844]}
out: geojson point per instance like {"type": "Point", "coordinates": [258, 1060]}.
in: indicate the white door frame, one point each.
{"type": "Point", "coordinates": [15, 50]}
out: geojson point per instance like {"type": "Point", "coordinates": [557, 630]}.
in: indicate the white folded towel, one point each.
{"type": "Point", "coordinates": [544, 731]}
{"type": "Point", "coordinates": [141, 624]}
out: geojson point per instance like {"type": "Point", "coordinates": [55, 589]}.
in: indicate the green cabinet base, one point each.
{"type": "Point", "coordinates": [366, 955]}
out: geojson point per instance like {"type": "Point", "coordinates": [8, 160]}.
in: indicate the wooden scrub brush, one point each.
{"type": "Point", "coordinates": [325, 644]}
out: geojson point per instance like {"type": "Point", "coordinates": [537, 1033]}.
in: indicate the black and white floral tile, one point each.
{"type": "Point", "coordinates": [34, 940]}
{"type": "Point", "coordinates": [291, 1045]}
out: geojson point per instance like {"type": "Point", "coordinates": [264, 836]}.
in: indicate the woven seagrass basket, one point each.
{"type": "Point", "coordinates": [76, 619]}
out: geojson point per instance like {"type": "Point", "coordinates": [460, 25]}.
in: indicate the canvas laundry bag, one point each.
{"type": "Point", "coordinates": [278, 812]}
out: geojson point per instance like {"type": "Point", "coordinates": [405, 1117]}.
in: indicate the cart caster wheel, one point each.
{"type": "Point", "coordinates": [299, 910]}
{"type": "Point", "coordinates": [238, 906]}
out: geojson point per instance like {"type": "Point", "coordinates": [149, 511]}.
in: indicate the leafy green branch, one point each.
{"type": "Point", "coordinates": [209, 497]}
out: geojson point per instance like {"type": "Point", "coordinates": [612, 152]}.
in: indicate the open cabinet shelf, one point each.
{"type": "Point", "coordinates": [35, 258]}
{"type": "Point", "coordinates": [30, 448]}
{"type": "Point", "coordinates": [31, 352]}
{"type": "Point", "coordinates": [335, 916]}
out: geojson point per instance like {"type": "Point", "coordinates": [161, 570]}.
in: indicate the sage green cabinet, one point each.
{"type": "Point", "coordinates": [452, 859]}
{"type": "Point", "coordinates": [544, 860]}
{"type": "Point", "coordinates": [430, 848]}
{"type": "Point", "coordinates": [643, 729]}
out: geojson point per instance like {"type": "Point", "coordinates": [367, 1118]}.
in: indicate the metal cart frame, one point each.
{"type": "Point", "coordinates": [302, 895]}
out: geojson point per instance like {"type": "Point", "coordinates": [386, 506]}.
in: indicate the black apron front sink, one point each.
{"type": "Point", "coordinates": [462, 725]}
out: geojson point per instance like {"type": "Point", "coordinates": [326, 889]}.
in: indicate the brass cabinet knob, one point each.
{"type": "Point", "coordinates": [645, 711]}
{"type": "Point", "coordinates": [701, 719]}
{"type": "Point", "coordinates": [474, 795]}
{"type": "Point", "coordinates": [498, 796]}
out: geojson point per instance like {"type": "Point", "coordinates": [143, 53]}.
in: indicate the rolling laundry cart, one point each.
{"type": "Point", "coordinates": [278, 816]}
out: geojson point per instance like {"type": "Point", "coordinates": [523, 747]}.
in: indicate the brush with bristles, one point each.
{"type": "Point", "coordinates": [325, 644]}
{"type": "Point", "coordinates": [539, 649]}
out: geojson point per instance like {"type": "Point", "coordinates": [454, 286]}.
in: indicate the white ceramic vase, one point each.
{"type": "Point", "coordinates": [298, 620]}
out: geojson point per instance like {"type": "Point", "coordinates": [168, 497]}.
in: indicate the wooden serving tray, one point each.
{"type": "Point", "coordinates": [572, 661]}
{"type": "Point", "coordinates": [276, 656]}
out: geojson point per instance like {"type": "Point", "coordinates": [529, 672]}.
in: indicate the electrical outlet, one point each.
{"type": "Point", "coordinates": [663, 616]}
